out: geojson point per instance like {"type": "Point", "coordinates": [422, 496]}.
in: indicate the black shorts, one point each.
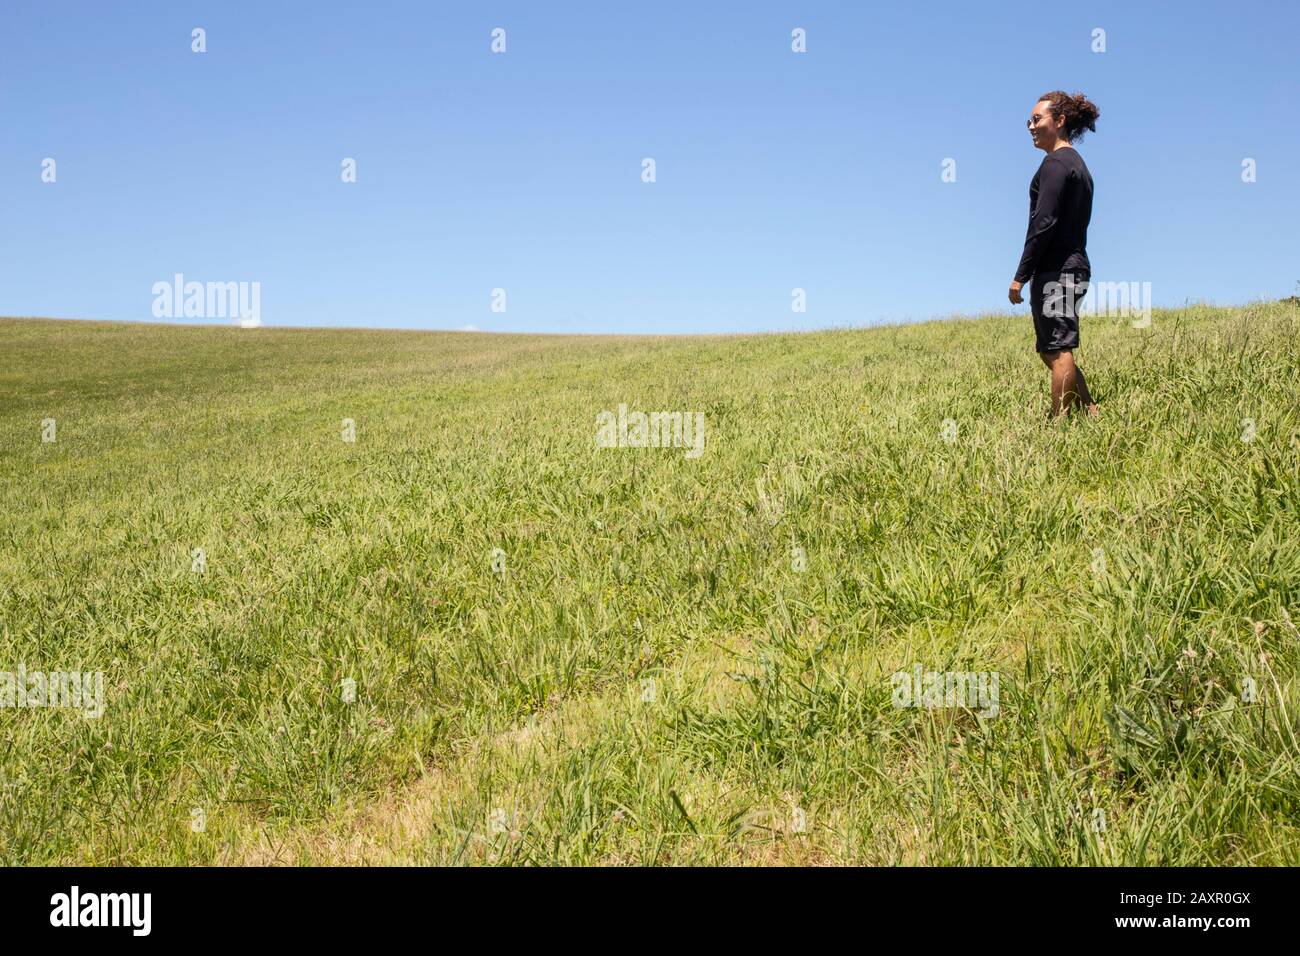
{"type": "Point", "coordinates": [1054, 299]}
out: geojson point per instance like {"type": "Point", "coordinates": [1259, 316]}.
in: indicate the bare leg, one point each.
{"type": "Point", "coordinates": [1085, 396]}
{"type": "Point", "coordinates": [1064, 387]}
{"type": "Point", "coordinates": [1048, 358]}
{"type": "Point", "coordinates": [1069, 387]}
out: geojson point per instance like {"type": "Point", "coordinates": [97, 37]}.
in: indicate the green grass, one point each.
{"type": "Point", "coordinates": [1122, 735]}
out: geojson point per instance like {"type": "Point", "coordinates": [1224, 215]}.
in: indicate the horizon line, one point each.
{"type": "Point", "coordinates": [229, 324]}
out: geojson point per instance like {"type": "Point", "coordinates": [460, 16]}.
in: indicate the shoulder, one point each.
{"type": "Point", "coordinates": [1057, 164]}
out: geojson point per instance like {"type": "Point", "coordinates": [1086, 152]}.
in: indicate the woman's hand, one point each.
{"type": "Point", "coordinates": [1014, 294]}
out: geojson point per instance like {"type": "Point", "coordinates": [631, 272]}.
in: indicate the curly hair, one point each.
{"type": "Point", "coordinates": [1080, 113]}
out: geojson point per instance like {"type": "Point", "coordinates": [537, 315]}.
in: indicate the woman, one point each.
{"type": "Point", "coordinates": [1055, 256]}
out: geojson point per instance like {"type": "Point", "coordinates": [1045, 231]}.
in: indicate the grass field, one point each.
{"type": "Point", "coordinates": [669, 659]}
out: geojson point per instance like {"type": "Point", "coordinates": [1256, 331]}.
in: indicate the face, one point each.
{"type": "Point", "coordinates": [1042, 127]}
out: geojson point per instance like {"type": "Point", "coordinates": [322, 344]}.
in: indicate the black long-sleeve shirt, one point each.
{"type": "Point", "coordinates": [1060, 206]}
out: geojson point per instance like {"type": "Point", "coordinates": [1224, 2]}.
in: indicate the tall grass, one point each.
{"type": "Point", "coordinates": [1132, 579]}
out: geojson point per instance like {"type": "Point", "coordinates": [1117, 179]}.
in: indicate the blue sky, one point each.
{"type": "Point", "coordinates": [522, 170]}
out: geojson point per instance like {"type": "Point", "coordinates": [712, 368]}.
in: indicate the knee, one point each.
{"type": "Point", "coordinates": [1063, 359]}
